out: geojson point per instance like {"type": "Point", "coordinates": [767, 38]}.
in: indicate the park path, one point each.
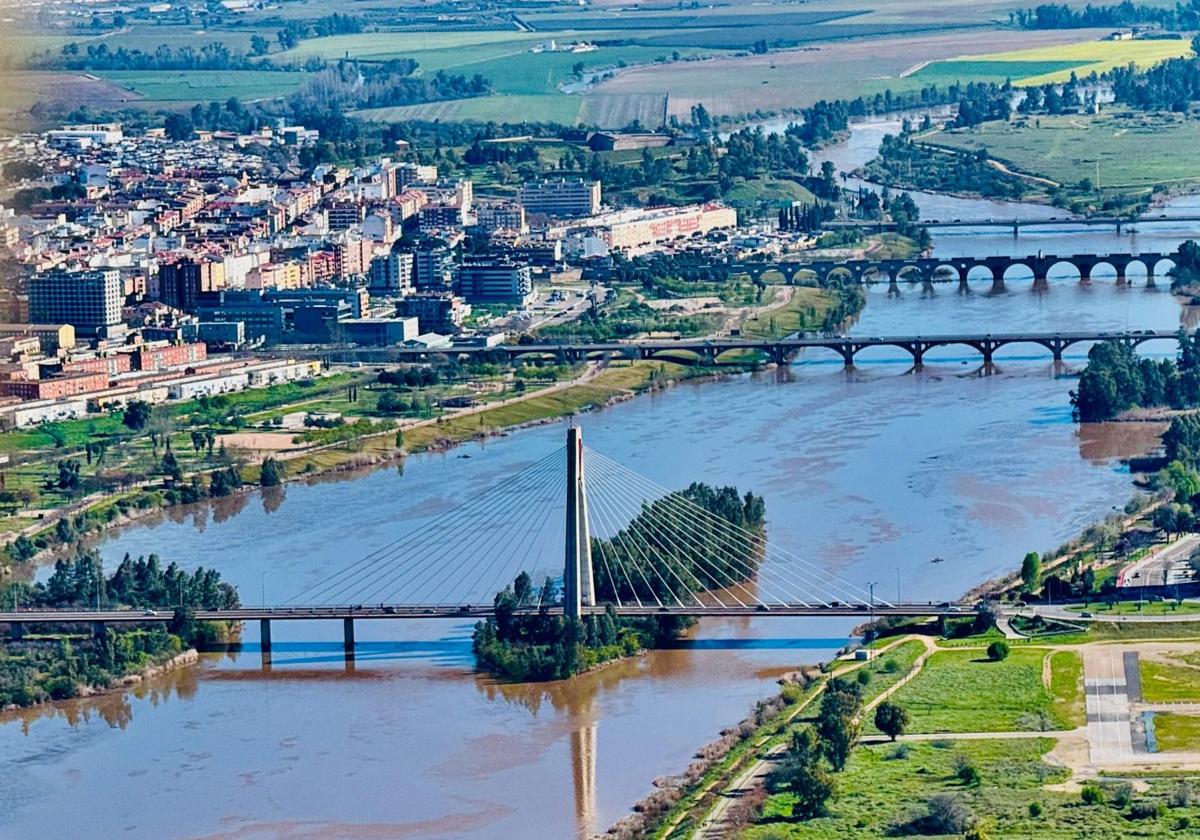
{"type": "Point", "coordinates": [715, 824]}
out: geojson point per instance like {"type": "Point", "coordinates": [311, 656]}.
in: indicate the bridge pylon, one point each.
{"type": "Point", "coordinates": [579, 587]}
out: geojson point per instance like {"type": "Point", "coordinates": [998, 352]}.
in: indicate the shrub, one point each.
{"type": "Point", "coordinates": [1147, 810]}
{"type": "Point", "coordinates": [997, 651]}
{"type": "Point", "coordinates": [900, 752]}
{"type": "Point", "coordinates": [1122, 795]}
{"type": "Point", "coordinates": [947, 815]}
{"type": "Point", "coordinates": [1182, 796]}
{"type": "Point", "coordinates": [1035, 809]}
{"type": "Point", "coordinates": [1091, 795]}
{"type": "Point", "coordinates": [965, 771]}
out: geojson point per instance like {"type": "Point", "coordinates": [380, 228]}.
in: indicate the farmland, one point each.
{"type": "Point", "coordinates": [797, 78]}
{"type": "Point", "coordinates": [193, 85]}
{"type": "Point", "coordinates": [1129, 152]}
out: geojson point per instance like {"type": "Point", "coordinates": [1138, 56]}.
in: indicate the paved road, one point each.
{"type": "Point", "coordinates": [1166, 566]}
{"type": "Point", "coordinates": [1109, 728]}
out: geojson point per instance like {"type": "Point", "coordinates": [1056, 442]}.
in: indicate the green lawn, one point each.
{"type": "Point", "coordinates": [1163, 683]}
{"type": "Point", "coordinates": [1177, 733]}
{"type": "Point", "coordinates": [804, 311]}
{"type": "Point", "coordinates": [558, 108]}
{"type": "Point", "coordinates": [961, 691]}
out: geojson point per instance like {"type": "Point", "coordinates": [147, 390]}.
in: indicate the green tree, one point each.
{"type": "Point", "coordinates": [271, 474]}
{"type": "Point", "coordinates": [1031, 572]}
{"type": "Point", "coordinates": [69, 477]}
{"type": "Point", "coordinates": [802, 773]}
{"type": "Point", "coordinates": [891, 719]}
{"type": "Point", "coordinates": [997, 651]}
{"type": "Point", "coordinates": [137, 415]}
{"type": "Point", "coordinates": [837, 722]}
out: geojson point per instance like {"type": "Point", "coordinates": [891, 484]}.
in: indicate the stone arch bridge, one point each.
{"type": "Point", "coordinates": [931, 269]}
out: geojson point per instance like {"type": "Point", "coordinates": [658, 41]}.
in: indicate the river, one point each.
{"type": "Point", "coordinates": [872, 472]}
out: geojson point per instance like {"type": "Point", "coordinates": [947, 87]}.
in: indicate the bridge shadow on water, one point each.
{"type": "Point", "coordinates": [761, 643]}
{"type": "Point", "coordinates": [451, 651]}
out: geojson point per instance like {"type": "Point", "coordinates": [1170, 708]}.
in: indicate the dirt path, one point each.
{"type": "Point", "coordinates": [714, 825]}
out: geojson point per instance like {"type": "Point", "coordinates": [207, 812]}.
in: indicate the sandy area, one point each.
{"type": "Point", "coordinates": [258, 441]}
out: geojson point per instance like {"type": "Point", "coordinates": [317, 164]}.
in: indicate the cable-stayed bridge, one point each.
{"type": "Point", "coordinates": [627, 544]}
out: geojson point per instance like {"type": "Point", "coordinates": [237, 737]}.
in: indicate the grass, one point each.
{"type": "Point", "coordinates": [961, 691]}
{"type": "Point", "coordinates": [878, 790]}
{"type": "Point", "coordinates": [1139, 608]}
{"type": "Point", "coordinates": [1169, 683]}
{"type": "Point", "coordinates": [197, 85]}
{"type": "Point", "coordinates": [608, 384]}
{"type": "Point", "coordinates": [803, 312]}
{"type": "Point", "coordinates": [1066, 687]}
{"type": "Point", "coordinates": [1094, 57]}
{"type": "Point", "coordinates": [1177, 733]}
{"type": "Point", "coordinates": [1127, 150]}
{"type": "Point", "coordinates": [558, 108]}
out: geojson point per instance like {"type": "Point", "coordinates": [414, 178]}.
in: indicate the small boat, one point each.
{"type": "Point", "coordinates": [938, 560]}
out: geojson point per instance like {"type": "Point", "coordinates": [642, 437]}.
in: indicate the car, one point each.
{"type": "Point", "coordinates": [150, 612]}
{"type": "Point", "coordinates": [762, 608]}
{"type": "Point", "coordinates": [390, 610]}
{"type": "Point", "coordinates": [1085, 614]}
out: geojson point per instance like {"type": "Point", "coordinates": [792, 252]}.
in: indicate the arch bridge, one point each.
{"type": "Point", "coordinates": [934, 269]}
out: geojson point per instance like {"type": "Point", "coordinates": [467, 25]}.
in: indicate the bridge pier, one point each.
{"type": "Point", "coordinates": [99, 630]}
{"type": "Point", "coordinates": [348, 636]}
{"type": "Point", "coordinates": [264, 634]}
{"type": "Point", "coordinates": [16, 631]}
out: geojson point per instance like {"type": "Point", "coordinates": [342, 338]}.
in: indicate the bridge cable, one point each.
{"type": "Point", "coordinates": [430, 531]}
{"type": "Point", "coordinates": [641, 523]}
{"type": "Point", "coordinates": [620, 537]}
{"type": "Point", "coordinates": [847, 589]}
{"type": "Point", "coordinates": [435, 532]}
{"type": "Point", "coordinates": [492, 512]}
{"type": "Point", "coordinates": [763, 570]}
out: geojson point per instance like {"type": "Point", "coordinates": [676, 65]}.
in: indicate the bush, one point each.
{"type": "Point", "coordinates": [1182, 796]}
{"type": "Point", "coordinates": [1091, 795]}
{"type": "Point", "coordinates": [1035, 809]}
{"type": "Point", "coordinates": [900, 752]}
{"type": "Point", "coordinates": [1147, 810]}
{"type": "Point", "coordinates": [1122, 795]}
{"type": "Point", "coordinates": [947, 815]}
{"type": "Point", "coordinates": [965, 771]}
{"type": "Point", "coordinates": [997, 651]}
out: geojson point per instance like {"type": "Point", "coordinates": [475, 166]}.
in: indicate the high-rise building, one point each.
{"type": "Point", "coordinates": [436, 312]}
{"type": "Point", "coordinates": [495, 281]}
{"type": "Point", "coordinates": [561, 197]}
{"type": "Point", "coordinates": [392, 274]}
{"type": "Point", "coordinates": [90, 301]}
{"type": "Point", "coordinates": [432, 268]}
{"type": "Point", "coordinates": [182, 282]}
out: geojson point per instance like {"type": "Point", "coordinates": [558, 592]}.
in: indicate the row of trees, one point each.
{"type": "Point", "coordinates": [1062, 16]}
{"type": "Point", "coordinates": [215, 55]}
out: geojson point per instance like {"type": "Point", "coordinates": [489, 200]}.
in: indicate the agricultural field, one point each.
{"type": "Point", "coordinates": [956, 692]}
{"type": "Point", "coordinates": [797, 78]}
{"type": "Point", "coordinates": [1128, 151]}
{"type": "Point", "coordinates": [194, 85]}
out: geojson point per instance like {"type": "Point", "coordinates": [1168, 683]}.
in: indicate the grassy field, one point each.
{"type": "Point", "coordinates": [1066, 687]}
{"type": "Point", "coordinates": [1139, 608]}
{"type": "Point", "coordinates": [1163, 683]}
{"type": "Point", "coordinates": [195, 85]}
{"type": "Point", "coordinates": [1128, 151]}
{"type": "Point", "coordinates": [803, 312]}
{"type": "Point", "coordinates": [956, 691]}
{"type": "Point", "coordinates": [608, 384]}
{"type": "Point", "coordinates": [1177, 733]}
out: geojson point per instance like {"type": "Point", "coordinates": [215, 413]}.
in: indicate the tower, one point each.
{"type": "Point", "coordinates": [579, 588]}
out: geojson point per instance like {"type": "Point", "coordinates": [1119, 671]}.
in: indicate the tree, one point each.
{"type": "Point", "coordinates": [1031, 572]}
{"type": "Point", "coordinates": [178, 127]}
{"type": "Point", "coordinates": [803, 773]}
{"type": "Point", "coordinates": [891, 719]}
{"type": "Point", "coordinates": [259, 45]}
{"type": "Point", "coordinates": [837, 723]}
{"type": "Point", "coordinates": [271, 474]}
{"type": "Point", "coordinates": [137, 415]}
{"type": "Point", "coordinates": [170, 466]}
{"type": "Point", "coordinates": [997, 651]}
{"type": "Point", "coordinates": [69, 478]}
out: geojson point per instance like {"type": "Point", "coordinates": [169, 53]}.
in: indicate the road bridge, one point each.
{"type": "Point", "coordinates": [779, 351]}
{"type": "Point", "coordinates": [1120, 223]}
{"type": "Point", "coordinates": [949, 269]}
{"type": "Point", "coordinates": [687, 561]}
